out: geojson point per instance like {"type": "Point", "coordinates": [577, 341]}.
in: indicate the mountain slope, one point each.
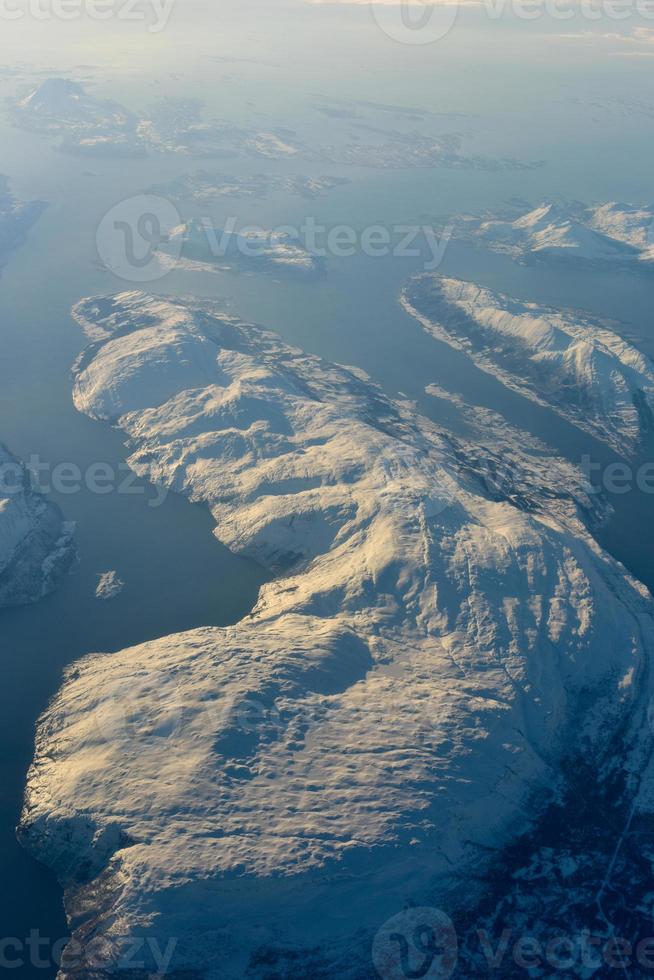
{"type": "Point", "coordinates": [587, 373]}
{"type": "Point", "coordinates": [35, 542]}
{"type": "Point", "coordinates": [603, 234]}
{"type": "Point", "coordinates": [16, 219]}
{"type": "Point", "coordinates": [393, 709]}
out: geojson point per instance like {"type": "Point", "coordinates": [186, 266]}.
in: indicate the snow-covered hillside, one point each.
{"type": "Point", "coordinates": [35, 543]}
{"type": "Point", "coordinates": [390, 712]}
{"type": "Point", "coordinates": [16, 218]}
{"type": "Point", "coordinates": [605, 234]}
{"type": "Point", "coordinates": [584, 371]}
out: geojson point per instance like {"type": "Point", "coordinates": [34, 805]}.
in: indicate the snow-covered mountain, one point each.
{"type": "Point", "coordinates": [610, 233]}
{"type": "Point", "coordinates": [55, 97]}
{"type": "Point", "coordinates": [36, 544]}
{"type": "Point", "coordinates": [87, 125]}
{"type": "Point", "coordinates": [396, 707]}
{"type": "Point", "coordinates": [629, 224]}
{"type": "Point", "coordinates": [580, 368]}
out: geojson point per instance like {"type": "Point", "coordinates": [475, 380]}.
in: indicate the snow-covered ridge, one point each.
{"type": "Point", "coordinates": [611, 233]}
{"type": "Point", "coordinates": [580, 368]}
{"type": "Point", "coordinates": [271, 792]}
{"type": "Point", "coordinates": [36, 544]}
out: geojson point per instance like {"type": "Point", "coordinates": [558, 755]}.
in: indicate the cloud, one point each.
{"type": "Point", "coordinates": [639, 37]}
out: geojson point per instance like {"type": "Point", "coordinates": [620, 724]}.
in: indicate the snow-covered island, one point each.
{"type": "Point", "coordinates": [607, 234]}
{"type": "Point", "coordinates": [178, 125]}
{"type": "Point", "coordinates": [36, 544]}
{"type": "Point", "coordinates": [580, 368]}
{"type": "Point", "coordinates": [91, 126]}
{"type": "Point", "coordinates": [109, 585]}
{"type": "Point", "coordinates": [407, 695]}
{"type": "Point", "coordinates": [205, 187]}
{"type": "Point", "coordinates": [199, 245]}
